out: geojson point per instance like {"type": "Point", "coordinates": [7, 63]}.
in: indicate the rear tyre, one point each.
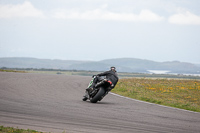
{"type": "Point", "coordinates": [98, 96]}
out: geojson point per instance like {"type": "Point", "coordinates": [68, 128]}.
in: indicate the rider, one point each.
{"type": "Point", "coordinates": [110, 76]}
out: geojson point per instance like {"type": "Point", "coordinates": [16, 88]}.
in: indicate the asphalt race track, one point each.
{"type": "Point", "coordinates": [53, 103]}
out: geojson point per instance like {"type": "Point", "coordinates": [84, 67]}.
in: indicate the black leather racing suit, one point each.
{"type": "Point", "coordinates": [110, 75]}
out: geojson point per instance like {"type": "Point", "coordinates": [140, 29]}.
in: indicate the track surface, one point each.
{"type": "Point", "coordinates": [52, 103]}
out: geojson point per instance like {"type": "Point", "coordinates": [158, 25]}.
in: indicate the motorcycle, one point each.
{"type": "Point", "coordinates": [99, 91]}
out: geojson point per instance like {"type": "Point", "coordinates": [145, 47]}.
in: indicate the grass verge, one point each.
{"type": "Point", "coordinates": [179, 93]}
{"type": "Point", "coordinates": [16, 130]}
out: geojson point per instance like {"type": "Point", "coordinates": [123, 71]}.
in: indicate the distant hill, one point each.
{"type": "Point", "coordinates": [141, 65]}
{"type": "Point", "coordinates": [18, 62]}
{"type": "Point", "coordinates": [122, 64]}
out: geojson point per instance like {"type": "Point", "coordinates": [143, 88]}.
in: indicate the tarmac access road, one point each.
{"type": "Point", "coordinates": [53, 103]}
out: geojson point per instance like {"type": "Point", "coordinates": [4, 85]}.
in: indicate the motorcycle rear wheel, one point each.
{"type": "Point", "coordinates": [98, 96]}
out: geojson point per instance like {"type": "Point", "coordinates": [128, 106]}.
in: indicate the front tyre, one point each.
{"type": "Point", "coordinates": [98, 96]}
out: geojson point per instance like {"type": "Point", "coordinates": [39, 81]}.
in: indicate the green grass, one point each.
{"type": "Point", "coordinates": [4, 70]}
{"type": "Point", "coordinates": [179, 93]}
{"type": "Point", "coordinates": [16, 130]}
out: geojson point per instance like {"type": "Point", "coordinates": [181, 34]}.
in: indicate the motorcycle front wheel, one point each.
{"type": "Point", "coordinates": [98, 96]}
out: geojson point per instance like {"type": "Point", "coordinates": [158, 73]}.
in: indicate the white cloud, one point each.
{"type": "Point", "coordinates": [185, 18]}
{"type": "Point", "coordinates": [103, 14]}
{"type": "Point", "coordinates": [20, 10]}
{"type": "Point", "coordinates": [147, 15]}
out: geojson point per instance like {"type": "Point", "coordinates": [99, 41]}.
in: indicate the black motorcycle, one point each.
{"type": "Point", "coordinates": [100, 90]}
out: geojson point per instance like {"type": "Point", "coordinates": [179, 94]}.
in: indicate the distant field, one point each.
{"type": "Point", "coordinates": [10, 70]}
{"type": "Point", "coordinates": [90, 73]}
{"type": "Point", "coordinates": [179, 93]}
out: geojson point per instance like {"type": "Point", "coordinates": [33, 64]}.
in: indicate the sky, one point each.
{"type": "Point", "coordinates": [158, 30]}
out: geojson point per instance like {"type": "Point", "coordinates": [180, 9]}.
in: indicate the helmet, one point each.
{"type": "Point", "coordinates": [113, 68]}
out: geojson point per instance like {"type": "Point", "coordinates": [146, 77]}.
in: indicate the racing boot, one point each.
{"type": "Point", "coordinates": [85, 97]}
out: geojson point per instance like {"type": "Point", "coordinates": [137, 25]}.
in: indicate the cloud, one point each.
{"type": "Point", "coordinates": [185, 18]}
{"type": "Point", "coordinates": [20, 11]}
{"type": "Point", "coordinates": [103, 14]}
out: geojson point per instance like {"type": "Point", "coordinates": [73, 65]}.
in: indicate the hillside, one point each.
{"type": "Point", "coordinates": [141, 65]}
{"type": "Point", "coordinates": [122, 64]}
